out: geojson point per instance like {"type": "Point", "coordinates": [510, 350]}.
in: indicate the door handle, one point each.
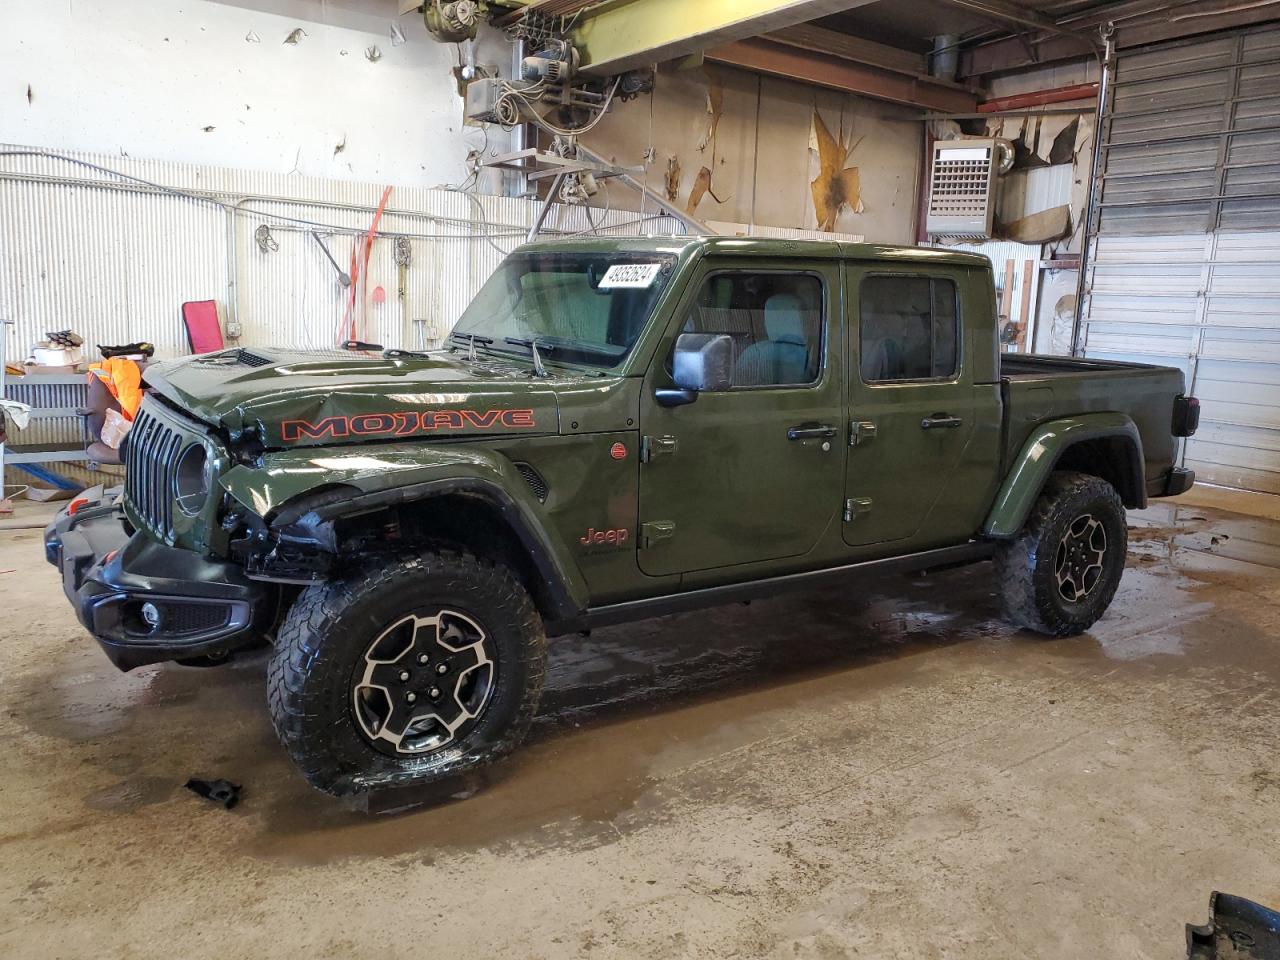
{"type": "Point", "coordinates": [811, 431]}
{"type": "Point", "coordinates": [941, 421]}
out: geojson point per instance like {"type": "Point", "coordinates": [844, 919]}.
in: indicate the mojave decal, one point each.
{"type": "Point", "coordinates": [404, 424]}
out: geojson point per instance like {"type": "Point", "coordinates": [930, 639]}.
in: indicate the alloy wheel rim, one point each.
{"type": "Point", "coordinates": [1081, 557]}
{"type": "Point", "coordinates": [423, 683]}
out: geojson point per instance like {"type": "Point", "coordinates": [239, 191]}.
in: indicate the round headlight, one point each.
{"type": "Point", "coordinates": [191, 480]}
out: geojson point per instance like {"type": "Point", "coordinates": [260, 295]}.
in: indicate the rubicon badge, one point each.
{"type": "Point", "coordinates": [618, 451]}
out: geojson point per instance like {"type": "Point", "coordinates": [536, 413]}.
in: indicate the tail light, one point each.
{"type": "Point", "coordinates": [1186, 416]}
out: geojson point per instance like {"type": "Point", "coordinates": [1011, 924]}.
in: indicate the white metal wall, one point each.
{"type": "Point", "coordinates": [114, 260]}
{"type": "Point", "coordinates": [1186, 244]}
{"type": "Point", "coordinates": [1001, 253]}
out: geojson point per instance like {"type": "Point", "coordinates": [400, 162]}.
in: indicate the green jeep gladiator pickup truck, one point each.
{"type": "Point", "coordinates": [617, 429]}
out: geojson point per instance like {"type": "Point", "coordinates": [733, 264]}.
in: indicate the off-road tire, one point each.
{"type": "Point", "coordinates": [1026, 566]}
{"type": "Point", "coordinates": [327, 632]}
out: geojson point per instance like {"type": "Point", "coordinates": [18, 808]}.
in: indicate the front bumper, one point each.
{"type": "Point", "coordinates": [145, 602]}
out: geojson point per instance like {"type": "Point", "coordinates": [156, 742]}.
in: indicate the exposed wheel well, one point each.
{"type": "Point", "coordinates": [456, 519]}
{"type": "Point", "coordinates": [1113, 459]}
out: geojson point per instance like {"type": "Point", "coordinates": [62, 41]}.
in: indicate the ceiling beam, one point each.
{"type": "Point", "coordinates": [823, 70]}
{"type": "Point", "coordinates": [623, 35]}
{"type": "Point", "coordinates": [1015, 53]}
{"type": "Point", "coordinates": [808, 37]}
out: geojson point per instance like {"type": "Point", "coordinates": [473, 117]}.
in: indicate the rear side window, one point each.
{"type": "Point", "coordinates": [909, 330]}
{"type": "Point", "coordinates": [774, 320]}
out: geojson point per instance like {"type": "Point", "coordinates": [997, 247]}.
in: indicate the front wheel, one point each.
{"type": "Point", "coordinates": [1062, 572]}
{"type": "Point", "coordinates": [425, 667]}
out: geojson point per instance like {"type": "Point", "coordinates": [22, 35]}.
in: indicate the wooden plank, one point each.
{"type": "Point", "coordinates": [1028, 279]}
{"type": "Point", "coordinates": [1006, 298]}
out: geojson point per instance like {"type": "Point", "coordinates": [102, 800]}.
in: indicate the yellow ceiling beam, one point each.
{"type": "Point", "coordinates": [623, 35]}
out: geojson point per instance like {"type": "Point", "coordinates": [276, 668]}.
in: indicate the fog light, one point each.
{"type": "Point", "coordinates": [151, 614]}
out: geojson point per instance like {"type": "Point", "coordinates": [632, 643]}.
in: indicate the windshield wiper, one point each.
{"type": "Point", "coordinates": [473, 339]}
{"type": "Point", "coordinates": [539, 369]}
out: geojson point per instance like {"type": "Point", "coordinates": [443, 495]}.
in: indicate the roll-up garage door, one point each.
{"type": "Point", "coordinates": [1185, 267]}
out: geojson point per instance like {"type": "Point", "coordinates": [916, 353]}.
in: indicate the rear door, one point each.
{"type": "Point", "coordinates": [754, 473]}
{"type": "Point", "coordinates": [924, 436]}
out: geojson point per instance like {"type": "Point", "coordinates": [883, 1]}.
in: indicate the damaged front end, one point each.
{"type": "Point", "coordinates": [146, 602]}
{"type": "Point", "coordinates": [247, 475]}
{"type": "Point", "coordinates": [300, 545]}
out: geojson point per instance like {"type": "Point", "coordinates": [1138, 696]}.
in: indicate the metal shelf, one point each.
{"type": "Point", "coordinates": [47, 456]}
{"type": "Point", "coordinates": [20, 453]}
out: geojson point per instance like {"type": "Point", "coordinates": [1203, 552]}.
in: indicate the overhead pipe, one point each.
{"type": "Point", "coordinates": [1040, 98]}
{"type": "Point", "coordinates": [1023, 16]}
{"type": "Point", "coordinates": [945, 60]}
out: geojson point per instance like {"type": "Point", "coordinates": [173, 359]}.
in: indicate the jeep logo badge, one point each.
{"type": "Point", "coordinates": [600, 538]}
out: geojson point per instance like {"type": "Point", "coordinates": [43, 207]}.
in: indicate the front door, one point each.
{"type": "Point", "coordinates": [924, 436]}
{"type": "Point", "coordinates": [755, 473]}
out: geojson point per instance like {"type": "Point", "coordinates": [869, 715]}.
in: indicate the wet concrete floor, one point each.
{"type": "Point", "coordinates": [885, 770]}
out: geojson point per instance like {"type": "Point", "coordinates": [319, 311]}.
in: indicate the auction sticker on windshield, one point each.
{"type": "Point", "coordinates": [630, 275]}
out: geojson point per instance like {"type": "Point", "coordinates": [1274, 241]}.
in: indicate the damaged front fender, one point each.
{"type": "Point", "coordinates": [297, 495]}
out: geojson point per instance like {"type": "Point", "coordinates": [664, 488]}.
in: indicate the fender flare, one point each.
{"type": "Point", "coordinates": [287, 490]}
{"type": "Point", "coordinates": [1040, 456]}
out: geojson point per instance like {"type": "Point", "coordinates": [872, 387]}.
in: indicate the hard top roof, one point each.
{"type": "Point", "coordinates": [761, 247]}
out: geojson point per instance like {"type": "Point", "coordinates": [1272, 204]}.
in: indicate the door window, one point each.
{"type": "Point", "coordinates": [910, 329]}
{"type": "Point", "coordinates": [775, 321]}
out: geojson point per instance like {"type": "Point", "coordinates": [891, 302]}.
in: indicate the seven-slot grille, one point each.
{"type": "Point", "coordinates": [151, 460]}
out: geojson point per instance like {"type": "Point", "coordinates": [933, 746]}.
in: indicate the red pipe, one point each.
{"type": "Point", "coordinates": [1020, 101]}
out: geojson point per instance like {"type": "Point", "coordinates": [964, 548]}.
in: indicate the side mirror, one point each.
{"type": "Point", "coordinates": [703, 363]}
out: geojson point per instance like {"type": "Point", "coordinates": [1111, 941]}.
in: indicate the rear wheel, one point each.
{"type": "Point", "coordinates": [1062, 572]}
{"type": "Point", "coordinates": [429, 666]}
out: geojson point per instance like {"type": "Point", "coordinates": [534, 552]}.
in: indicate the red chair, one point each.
{"type": "Point", "coordinates": [204, 330]}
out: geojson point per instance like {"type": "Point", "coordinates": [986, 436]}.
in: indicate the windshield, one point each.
{"type": "Point", "coordinates": [578, 307]}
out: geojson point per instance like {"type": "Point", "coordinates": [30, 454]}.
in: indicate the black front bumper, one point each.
{"type": "Point", "coordinates": [145, 602]}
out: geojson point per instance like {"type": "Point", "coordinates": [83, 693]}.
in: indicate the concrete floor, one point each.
{"type": "Point", "coordinates": [883, 771]}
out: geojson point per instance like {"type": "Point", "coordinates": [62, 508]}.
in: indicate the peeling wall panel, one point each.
{"type": "Point", "coordinates": [760, 160]}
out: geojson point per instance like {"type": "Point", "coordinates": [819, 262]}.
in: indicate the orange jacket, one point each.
{"type": "Point", "coordinates": [123, 378]}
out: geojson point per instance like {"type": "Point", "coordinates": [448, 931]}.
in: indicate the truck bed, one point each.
{"type": "Point", "coordinates": [1030, 366]}
{"type": "Point", "coordinates": [1036, 389]}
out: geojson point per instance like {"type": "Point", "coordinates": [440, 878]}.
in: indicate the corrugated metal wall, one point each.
{"type": "Point", "coordinates": [1186, 241]}
{"type": "Point", "coordinates": [1001, 253]}
{"type": "Point", "coordinates": [114, 260]}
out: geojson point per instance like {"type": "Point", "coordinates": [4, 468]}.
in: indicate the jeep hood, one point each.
{"type": "Point", "coordinates": [293, 398]}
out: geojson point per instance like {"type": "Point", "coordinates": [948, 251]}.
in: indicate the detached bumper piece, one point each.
{"type": "Point", "coordinates": [145, 602]}
{"type": "Point", "coordinates": [1237, 928]}
{"type": "Point", "coordinates": [1180, 481]}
